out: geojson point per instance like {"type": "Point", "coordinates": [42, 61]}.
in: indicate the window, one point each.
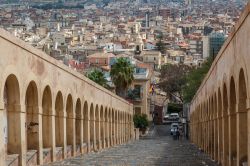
{"type": "Point", "coordinates": [97, 61]}
{"type": "Point", "coordinates": [138, 90]}
{"type": "Point", "coordinates": [138, 110]}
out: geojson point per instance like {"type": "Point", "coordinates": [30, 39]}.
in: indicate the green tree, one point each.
{"type": "Point", "coordinates": [140, 121]}
{"type": "Point", "coordinates": [194, 79]}
{"type": "Point", "coordinates": [160, 46]}
{"type": "Point", "coordinates": [174, 108]}
{"type": "Point", "coordinates": [98, 77]}
{"type": "Point", "coordinates": [122, 75]}
{"type": "Point", "coordinates": [173, 79]}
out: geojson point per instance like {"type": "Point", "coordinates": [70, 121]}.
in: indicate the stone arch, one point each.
{"type": "Point", "coordinates": [220, 148]}
{"type": "Point", "coordinates": [110, 126]}
{"type": "Point", "coordinates": [242, 122]}
{"type": "Point", "coordinates": [92, 126]}
{"type": "Point", "coordinates": [47, 118]}
{"type": "Point", "coordinates": [123, 129]}
{"type": "Point", "coordinates": [225, 128]}
{"type": "Point", "coordinates": [86, 122]}
{"type": "Point", "coordinates": [70, 124]}
{"type": "Point", "coordinates": [97, 127]}
{"type": "Point", "coordinates": [106, 127]}
{"type": "Point", "coordinates": [113, 125]}
{"type": "Point", "coordinates": [116, 127]}
{"type": "Point", "coordinates": [102, 127]}
{"type": "Point", "coordinates": [32, 119]}
{"type": "Point", "coordinates": [216, 129]}
{"type": "Point", "coordinates": [78, 124]}
{"type": "Point", "coordinates": [11, 99]}
{"type": "Point", "coordinates": [232, 123]}
{"type": "Point", "coordinates": [59, 120]}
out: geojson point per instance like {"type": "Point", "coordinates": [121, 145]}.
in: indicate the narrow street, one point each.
{"type": "Point", "coordinates": [157, 149]}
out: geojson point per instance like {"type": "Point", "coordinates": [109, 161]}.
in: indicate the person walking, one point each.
{"type": "Point", "coordinates": [174, 134]}
{"type": "Point", "coordinates": [177, 134]}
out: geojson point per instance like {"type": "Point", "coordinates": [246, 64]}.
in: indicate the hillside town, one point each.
{"type": "Point", "coordinates": [139, 57]}
{"type": "Point", "coordinates": [148, 33]}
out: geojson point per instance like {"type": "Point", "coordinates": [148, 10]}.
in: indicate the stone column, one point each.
{"type": "Point", "coordinates": [248, 128]}
{"type": "Point", "coordinates": [206, 132]}
{"type": "Point", "coordinates": [120, 130]}
{"type": "Point", "coordinates": [2, 146]}
{"type": "Point", "coordinates": [98, 142]}
{"type": "Point", "coordinates": [218, 140]}
{"type": "Point", "coordinates": [81, 134]}
{"type": "Point", "coordinates": [202, 135]}
{"type": "Point", "coordinates": [17, 119]}
{"type": "Point", "coordinates": [225, 140]}
{"type": "Point", "coordinates": [87, 132]}
{"type": "Point", "coordinates": [64, 116]}
{"type": "Point", "coordinates": [211, 137]}
{"type": "Point", "coordinates": [242, 133]}
{"type": "Point", "coordinates": [101, 133]}
{"type": "Point", "coordinates": [111, 130]}
{"type": "Point", "coordinates": [94, 132]}
{"type": "Point", "coordinates": [232, 139]}
{"type": "Point", "coordinates": [215, 140]}
{"type": "Point", "coordinates": [107, 133]}
{"type": "Point", "coordinates": [73, 132]}
{"type": "Point", "coordinates": [53, 134]}
{"type": "Point", "coordinates": [116, 129]}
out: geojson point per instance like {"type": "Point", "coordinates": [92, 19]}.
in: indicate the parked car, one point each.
{"type": "Point", "coordinates": [166, 118]}
{"type": "Point", "coordinates": [174, 117]}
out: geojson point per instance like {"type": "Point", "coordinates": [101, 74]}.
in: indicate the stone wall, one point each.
{"type": "Point", "coordinates": [46, 105]}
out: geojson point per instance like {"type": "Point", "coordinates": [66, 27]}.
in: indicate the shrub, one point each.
{"type": "Point", "coordinates": [140, 121]}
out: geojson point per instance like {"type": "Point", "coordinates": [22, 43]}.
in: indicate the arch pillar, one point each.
{"type": "Point", "coordinates": [40, 136]}
{"type": "Point", "coordinates": [72, 135]}
{"type": "Point", "coordinates": [97, 144]}
{"type": "Point", "coordinates": [219, 141]}
{"type": "Point", "coordinates": [81, 135]}
{"type": "Point", "coordinates": [242, 118]}
{"type": "Point", "coordinates": [62, 116]}
{"type": "Point", "coordinates": [19, 119]}
{"type": "Point", "coordinates": [107, 130]}
{"type": "Point", "coordinates": [117, 130]}
{"type": "Point", "coordinates": [120, 129]}
{"type": "Point", "coordinates": [16, 118]}
{"type": "Point", "coordinates": [225, 130]}
{"type": "Point", "coordinates": [53, 135]}
{"type": "Point", "coordinates": [232, 137]}
{"type": "Point", "coordinates": [110, 130]}
{"type": "Point", "coordinates": [93, 132]}
{"type": "Point", "coordinates": [2, 147]}
{"type": "Point", "coordinates": [87, 131]}
{"type": "Point", "coordinates": [215, 139]}
{"type": "Point", "coordinates": [79, 131]}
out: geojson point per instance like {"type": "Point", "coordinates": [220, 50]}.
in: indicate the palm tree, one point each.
{"type": "Point", "coordinates": [122, 75]}
{"type": "Point", "coordinates": [98, 77]}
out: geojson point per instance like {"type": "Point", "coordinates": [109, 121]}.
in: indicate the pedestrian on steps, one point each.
{"type": "Point", "coordinates": [177, 134]}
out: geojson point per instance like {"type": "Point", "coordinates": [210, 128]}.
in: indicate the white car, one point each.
{"type": "Point", "coordinates": [173, 127]}
{"type": "Point", "coordinates": [174, 116]}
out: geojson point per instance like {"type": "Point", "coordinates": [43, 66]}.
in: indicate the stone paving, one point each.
{"type": "Point", "coordinates": [157, 149]}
